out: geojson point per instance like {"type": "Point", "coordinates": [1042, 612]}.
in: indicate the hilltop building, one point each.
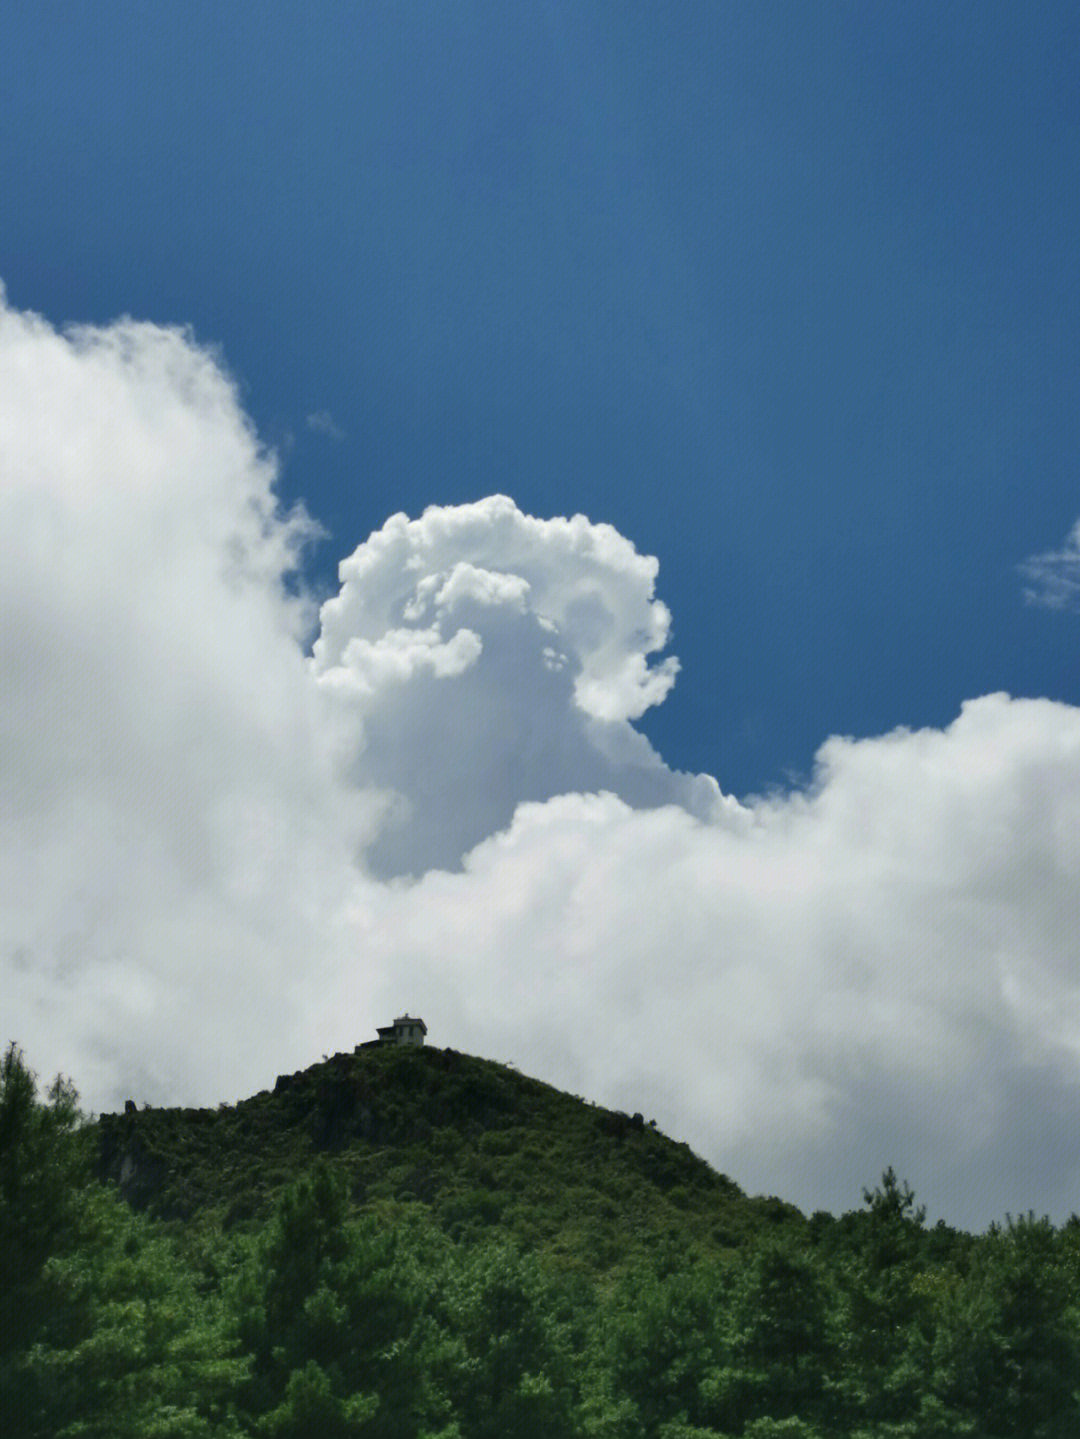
{"type": "Point", "coordinates": [406, 1029]}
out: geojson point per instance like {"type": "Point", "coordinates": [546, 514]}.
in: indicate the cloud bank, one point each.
{"type": "Point", "coordinates": [221, 857]}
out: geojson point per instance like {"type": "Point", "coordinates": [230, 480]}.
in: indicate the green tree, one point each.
{"type": "Point", "coordinates": [778, 1341]}
{"type": "Point", "coordinates": [137, 1346]}
{"type": "Point", "coordinates": [304, 1243]}
{"type": "Point", "coordinates": [666, 1342]}
{"type": "Point", "coordinates": [311, 1408]}
{"type": "Point", "coordinates": [43, 1166]}
{"type": "Point", "coordinates": [1007, 1351]}
{"type": "Point", "coordinates": [505, 1365]}
{"type": "Point", "coordinates": [884, 1319]}
{"type": "Point", "coordinates": [334, 1311]}
{"type": "Point", "coordinates": [103, 1329]}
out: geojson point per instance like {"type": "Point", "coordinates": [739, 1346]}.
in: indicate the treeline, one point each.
{"type": "Point", "coordinates": [323, 1322]}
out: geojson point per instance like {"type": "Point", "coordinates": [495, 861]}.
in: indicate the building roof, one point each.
{"type": "Point", "coordinates": [402, 1019]}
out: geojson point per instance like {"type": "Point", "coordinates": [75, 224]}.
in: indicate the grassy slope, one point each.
{"type": "Point", "coordinates": [475, 1143]}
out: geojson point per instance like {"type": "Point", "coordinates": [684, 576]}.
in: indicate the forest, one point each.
{"type": "Point", "coordinates": [425, 1245]}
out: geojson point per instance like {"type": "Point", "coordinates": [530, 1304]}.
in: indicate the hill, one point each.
{"type": "Point", "coordinates": [477, 1144]}
{"type": "Point", "coordinates": [419, 1244]}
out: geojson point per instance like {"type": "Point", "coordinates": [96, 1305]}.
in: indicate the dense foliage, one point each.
{"type": "Point", "coordinates": [402, 1264]}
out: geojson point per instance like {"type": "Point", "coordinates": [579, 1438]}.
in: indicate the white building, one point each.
{"type": "Point", "coordinates": [406, 1029]}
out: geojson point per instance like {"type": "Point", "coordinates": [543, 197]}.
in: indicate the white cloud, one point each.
{"type": "Point", "coordinates": [481, 658]}
{"type": "Point", "coordinates": [168, 821]}
{"type": "Point", "coordinates": [196, 823]}
{"type": "Point", "coordinates": [879, 971]}
{"type": "Point", "coordinates": [1053, 578]}
{"type": "Point", "coordinates": [582, 580]}
{"type": "Point", "coordinates": [323, 423]}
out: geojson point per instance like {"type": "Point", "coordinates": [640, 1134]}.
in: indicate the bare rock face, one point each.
{"type": "Point", "coordinates": [125, 1159]}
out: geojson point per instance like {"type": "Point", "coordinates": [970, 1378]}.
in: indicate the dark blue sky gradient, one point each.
{"type": "Point", "coordinates": [786, 293]}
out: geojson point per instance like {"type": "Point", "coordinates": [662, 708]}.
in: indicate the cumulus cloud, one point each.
{"type": "Point", "coordinates": [485, 658]}
{"type": "Point", "coordinates": [220, 858]}
{"type": "Point", "coordinates": [169, 821]}
{"type": "Point", "coordinates": [879, 970]}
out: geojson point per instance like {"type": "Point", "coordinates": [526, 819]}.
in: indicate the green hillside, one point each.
{"type": "Point", "coordinates": [480, 1146]}
{"type": "Point", "coordinates": [418, 1244]}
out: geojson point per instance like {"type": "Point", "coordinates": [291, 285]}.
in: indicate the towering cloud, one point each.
{"type": "Point", "coordinates": [171, 832]}
{"type": "Point", "coordinates": [487, 658]}
{"type": "Point", "coordinates": [220, 857]}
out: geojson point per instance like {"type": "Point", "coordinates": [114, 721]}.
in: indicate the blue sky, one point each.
{"type": "Point", "coordinates": [786, 293]}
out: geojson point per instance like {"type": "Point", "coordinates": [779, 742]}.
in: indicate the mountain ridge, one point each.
{"type": "Point", "coordinates": [476, 1143]}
